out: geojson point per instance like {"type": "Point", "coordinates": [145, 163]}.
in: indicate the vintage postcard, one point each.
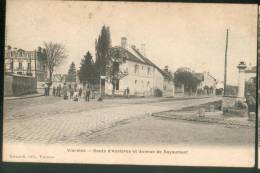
{"type": "Point", "coordinates": [136, 83]}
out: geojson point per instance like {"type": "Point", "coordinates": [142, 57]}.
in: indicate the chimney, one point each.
{"type": "Point", "coordinates": [123, 42]}
{"type": "Point", "coordinates": [133, 47]}
{"type": "Point", "coordinates": [166, 68]}
{"type": "Point", "coordinates": [143, 49]}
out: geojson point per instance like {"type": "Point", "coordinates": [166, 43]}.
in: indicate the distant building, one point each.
{"type": "Point", "coordinates": [168, 82]}
{"type": "Point", "coordinates": [185, 69]}
{"type": "Point", "coordinates": [138, 74]}
{"type": "Point", "coordinates": [59, 78]}
{"type": "Point", "coordinates": [250, 80]}
{"type": "Point", "coordinates": [250, 74]}
{"type": "Point", "coordinates": [25, 63]}
{"type": "Point", "coordinates": [207, 82]}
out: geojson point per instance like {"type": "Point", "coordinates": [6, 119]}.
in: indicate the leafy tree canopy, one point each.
{"type": "Point", "coordinates": [186, 78]}
{"type": "Point", "coordinates": [72, 73]}
{"type": "Point", "coordinates": [87, 71]}
{"type": "Point", "coordinates": [103, 43]}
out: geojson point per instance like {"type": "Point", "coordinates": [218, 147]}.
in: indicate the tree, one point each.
{"type": "Point", "coordinates": [72, 73]}
{"type": "Point", "coordinates": [116, 56]}
{"type": "Point", "coordinates": [186, 78]}
{"type": "Point", "coordinates": [55, 55]}
{"type": "Point", "coordinates": [103, 43]}
{"type": "Point", "coordinates": [87, 71]}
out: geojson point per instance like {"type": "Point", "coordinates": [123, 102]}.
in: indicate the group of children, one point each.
{"type": "Point", "coordinates": [70, 92]}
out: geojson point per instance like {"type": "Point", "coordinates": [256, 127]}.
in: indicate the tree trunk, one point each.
{"type": "Point", "coordinates": [113, 91]}
{"type": "Point", "coordinates": [190, 91]}
{"type": "Point", "coordinates": [50, 78]}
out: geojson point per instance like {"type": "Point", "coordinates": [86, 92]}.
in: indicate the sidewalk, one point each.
{"type": "Point", "coordinates": [23, 96]}
{"type": "Point", "coordinates": [149, 99]}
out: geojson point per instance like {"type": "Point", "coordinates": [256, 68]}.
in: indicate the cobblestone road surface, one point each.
{"type": "Point", "coordinates": [52, 120]}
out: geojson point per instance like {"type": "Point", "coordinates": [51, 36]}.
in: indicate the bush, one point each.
{"type": "Point", "coordinates": [158, 92]}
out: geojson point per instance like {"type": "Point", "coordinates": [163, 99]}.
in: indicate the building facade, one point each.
{"type": "Point", "coordinates": [250, 73]}
{"type": "Point", "coordinates": [207, 82]}
{"type": "Point", "coordinates": [25, 63]}
{"type": "Point", "coordinates": [139, 75]}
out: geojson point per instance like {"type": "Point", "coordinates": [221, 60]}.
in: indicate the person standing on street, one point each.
{"type": "Point", "coordinates": [80, 92]}
{"type": "Point", "coordinates": [65, 92]}
{"type": "Point", "coordinates": [251, 103]}
{"type": "Point", "coordinates": [87, 93]}
{"type": "Point", "coordinates": [71, 91]}
{"type": "Point", "coordinates": [127, 92]}
{"type": "Point", "coordinates": [59, 90]}
{"type": "Point", "coordinates": [54, 90]}
{"type": "Point", "coordinates": [44, 89]}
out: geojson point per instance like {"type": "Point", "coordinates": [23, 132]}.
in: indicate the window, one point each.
{"type": "Point", "coordinates": [164, 87]}
{"type": "Point", "coordinates": [136, 68]}
{"type": "Point", "coordinates": [43, 67]}
{"type": "Point", "coordinates": [126, 70]}
{"type": "Point", "coordinates": [135, 82]}
{"type": "Point", "coordinates": [29, 66]}
{"type": "Point", "coordinates": [148, 71]}
{"type": "Point", "coordinates": [12, 65]}
{"type": "Point", "coordinates": [20, 65]}
{"type": "Point", "coordinates": [115, 67]}
{"type": "Point", "coordinates": [117, 85]}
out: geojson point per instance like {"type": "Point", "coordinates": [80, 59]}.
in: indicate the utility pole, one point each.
{"type": "Point", "coordinates": [225, 68]}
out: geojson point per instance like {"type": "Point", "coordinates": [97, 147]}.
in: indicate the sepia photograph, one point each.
{"type": "Point", "coordinates": [137, 83]}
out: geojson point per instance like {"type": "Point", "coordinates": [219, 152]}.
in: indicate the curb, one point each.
{"type": "Point", "coordinates": [25, 97]}
{"type": "Point", "coordinates": [205, 120]}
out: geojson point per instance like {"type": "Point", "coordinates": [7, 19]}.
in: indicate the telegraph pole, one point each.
{"type": "Point", "coordinates": [225, 68]}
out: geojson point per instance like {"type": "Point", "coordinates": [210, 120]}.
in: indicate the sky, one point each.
{"type": "Point", "coordinates": [175, 34]}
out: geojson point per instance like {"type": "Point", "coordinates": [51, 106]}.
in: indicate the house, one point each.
{"type": "Point", "coordinates": [25, 63]}
{"type": "Point", "coordinates": [168, 84]}
{"type": "Point", "coordinates": [138, 74]}
{"type": "Point", "coordinates": [207, 83]}
{"type": "Point", "coordinates": [58, 79]}
{"type": "Point", "coordinates": [250, 80]}
{"type": "Point", "coordinates": [250, 73]}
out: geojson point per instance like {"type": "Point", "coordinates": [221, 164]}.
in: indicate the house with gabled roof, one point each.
{"type": "Point", "coordinates": [207, 82]}
{"type": "Point", "coordinates": [139, 75]}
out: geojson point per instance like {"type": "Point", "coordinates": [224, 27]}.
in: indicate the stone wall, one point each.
{"type": "Point", "coordinates": [15, 85]}
{"type": "Point", "coordinates": [228, 102]}
{"type": "Point", "coordinates": [8, 88]}
{"type": "Point", "coordinates": [230, 108]}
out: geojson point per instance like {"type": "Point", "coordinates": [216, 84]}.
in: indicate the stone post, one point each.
{"type": "Point", "coordinates": [173, 90]}
{"type": "Point", "coordinates": [182, 88]}
{"type": "Point", "coordinates": [241, 79]}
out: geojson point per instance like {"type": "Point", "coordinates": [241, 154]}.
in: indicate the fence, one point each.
{"type": "Point", "coordinates": [16, 85]}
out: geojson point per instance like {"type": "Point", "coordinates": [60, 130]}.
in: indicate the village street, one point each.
{"type": "Point", "coordinates": [52, 120]}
